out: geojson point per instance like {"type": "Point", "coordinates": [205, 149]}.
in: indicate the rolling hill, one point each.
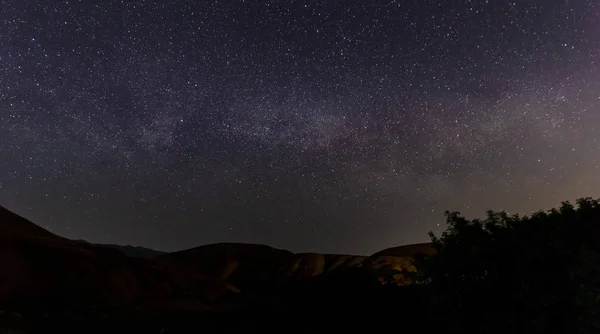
{"type": "Point", "coordinates": [135, 251]}
{"type": "Point", "coordinates": [41, 270]}
{"type": "Point", "coordinates": [245, 265]}
{"type": "Point", "coordinates": [72, 284]}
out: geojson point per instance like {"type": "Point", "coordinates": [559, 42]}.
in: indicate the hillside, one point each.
{"type": "Point", "coordinates": [40, 270]}
{"type": "Point", "coordinates": [245, 265]}
{"type": "Point", "coordinates": [135, 251]}
{"type": "Point", "coordinates": [12, 224]}
{"type": "Point", "coordinates": [406, 251]}
{"type": "Point", "coordinates": [77, 286]}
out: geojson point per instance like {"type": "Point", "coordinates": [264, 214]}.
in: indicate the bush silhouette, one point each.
{"type": "Point", "coordinates": [507, 274]}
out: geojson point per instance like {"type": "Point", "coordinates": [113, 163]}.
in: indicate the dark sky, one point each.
{"type": "Point", "coordinates": [330, 126]}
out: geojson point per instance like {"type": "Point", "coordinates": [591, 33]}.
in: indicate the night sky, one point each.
{"type": "Point", "coordinates": [329, 126]}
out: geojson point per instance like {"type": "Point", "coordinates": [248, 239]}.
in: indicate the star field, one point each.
{"type": "Point", "coordinates": [330, 126]}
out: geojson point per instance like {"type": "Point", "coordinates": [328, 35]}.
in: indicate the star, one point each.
{"type": "Point", "coordinates": [334, 127]}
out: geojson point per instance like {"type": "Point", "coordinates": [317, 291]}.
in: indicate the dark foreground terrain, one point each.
{"type": "Point", "coordinates": [49, 284]}
{"type": "Point", "coordinates": [502, 274]}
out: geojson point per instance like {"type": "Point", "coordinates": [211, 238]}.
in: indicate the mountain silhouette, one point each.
{"type": "Point", "coordinates": [54, 283]}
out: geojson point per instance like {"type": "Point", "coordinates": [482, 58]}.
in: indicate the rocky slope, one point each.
{"type": "Point", "coordinates": [53, 284]}
{"type": "Point", "coordinates": [246, 265]}
{"type": "Point", "coordinates": [42, 269]}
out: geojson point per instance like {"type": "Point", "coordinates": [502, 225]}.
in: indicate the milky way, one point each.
{"type": "Point", "coordinates": [330, 126]}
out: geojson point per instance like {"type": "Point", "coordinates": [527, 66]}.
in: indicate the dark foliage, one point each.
{"type": "Point", "coordinates": [511, 274]}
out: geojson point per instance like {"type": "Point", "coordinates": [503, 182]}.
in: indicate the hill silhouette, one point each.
{"type": "Point", "coordinates": [407, 250]}
{"type": "Point", "coordinates": [48, 283]}
{"type": "Point", "coordinates": [135, 251]}
{"type": "Point", "coordinates": [252, 266]}
{"type": "Point", "coordinates": [13, 225]}
{"type": "Point", "coordinates": [537, 273]}
{"type": "Point", "coordinates": [42, 272]}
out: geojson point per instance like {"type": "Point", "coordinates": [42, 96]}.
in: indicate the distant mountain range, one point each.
{"type": "Point", "coordinates": [244, 264]}
{"type": "Point", "coordinates": [131, 251]}
{"type": "Point", "coordinates": [135, 251]}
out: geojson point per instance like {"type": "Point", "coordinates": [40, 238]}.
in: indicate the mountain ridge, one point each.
{"type": "Point", "coordinates": [113, 274]}
{"type": "Point", "coordinates": [79, 284]}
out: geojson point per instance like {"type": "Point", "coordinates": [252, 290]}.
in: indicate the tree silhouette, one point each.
{"type": "Point", "coordinates": [505, 273]}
